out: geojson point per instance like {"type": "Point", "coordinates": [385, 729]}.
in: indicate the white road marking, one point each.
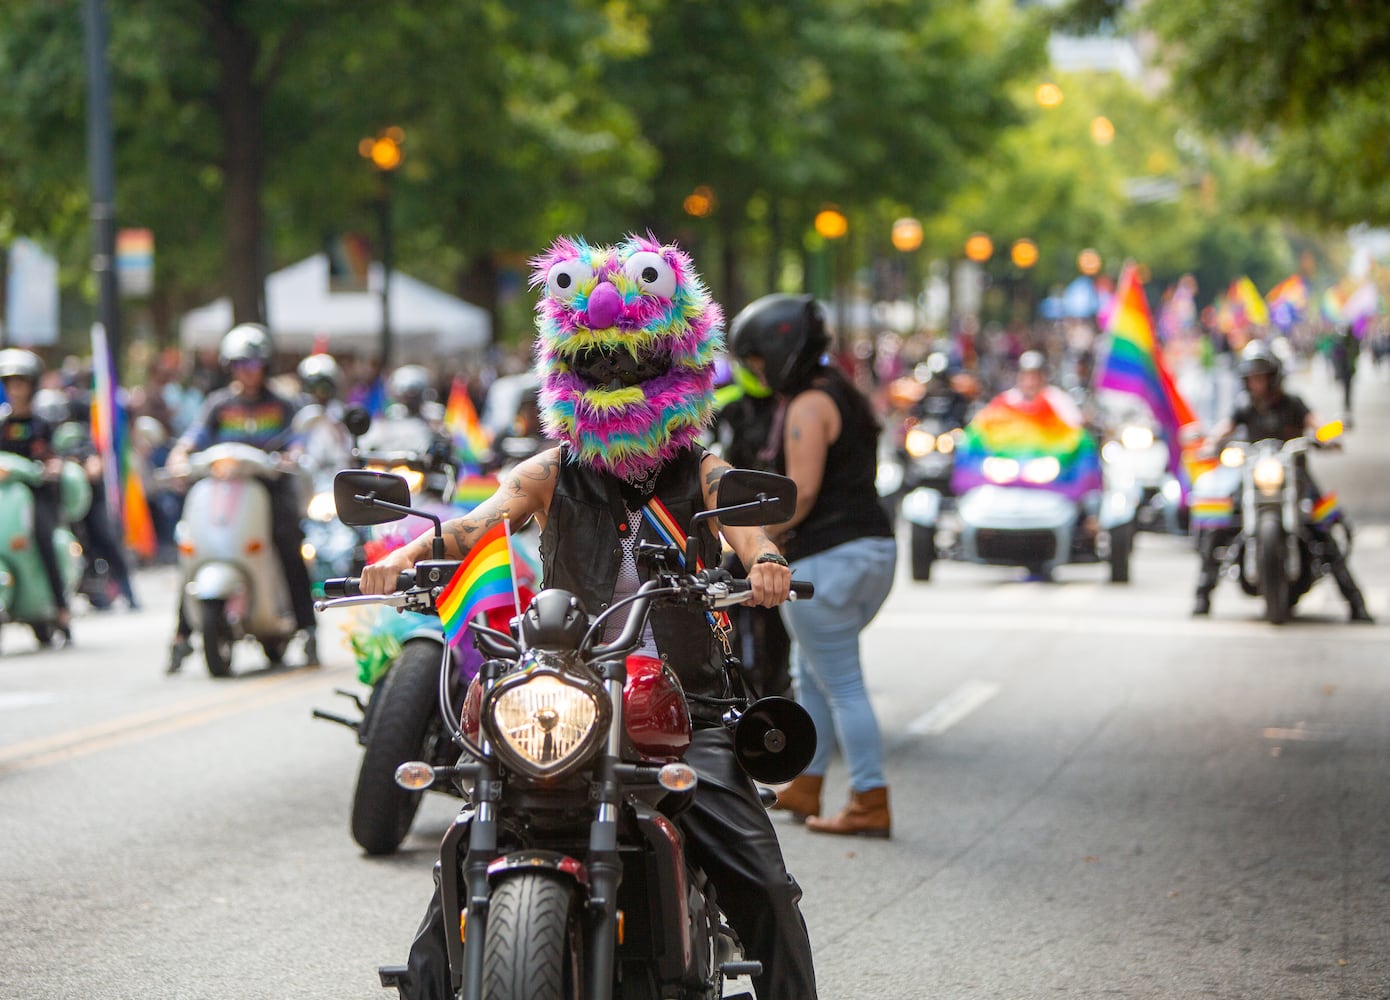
{"type": "Point", "coordinates": [26, 699]}
{"type": "Point", "coordinates": [953, 708]}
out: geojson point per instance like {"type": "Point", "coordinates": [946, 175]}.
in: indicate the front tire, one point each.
{"type": "Point", "coordinates": [923, 551]}
{"type": "Point", "coordinates": [1274, 583]}
{"type": "Point", "coordinates": [533, 940]}
{"type": "Point", "coordinates": [1121, 547]}
{"type": "Point", "coordinates": [405, 723]}
{"type": "Point", "coordinates": [217, 637]}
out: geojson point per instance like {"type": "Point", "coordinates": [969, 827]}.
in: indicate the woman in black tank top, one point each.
{"type": "Point", "coordinates": [840, 539]}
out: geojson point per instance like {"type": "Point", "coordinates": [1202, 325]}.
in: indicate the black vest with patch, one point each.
{"type": "Point", "coordinates": [581, 553]}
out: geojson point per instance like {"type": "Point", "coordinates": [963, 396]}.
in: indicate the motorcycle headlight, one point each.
{"type": "Point", "coordinates": [999, 470]}
{"type": "Point", "coordinates": [322, 507]}
{"type": "Point", "coordinates": [544, 722]}
{"type": "Point", "coordinates": [1040, 471]}
{"type": "Point", "coordinates": [919, 442]}
{"type": "Point", "coordinates": [1137, 438]}
{"type": "Point", "coordinates": [946, 443]}
{"type": "Point", "coordinates": [414, 478]}
{"type": "Point", "coordinates": [1268, 475]}
{"type": "Point", "coordinates": [1232, 458]}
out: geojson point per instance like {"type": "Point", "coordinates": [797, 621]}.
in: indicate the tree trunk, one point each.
{"type": "Point", "coordinates": [241, 108]}
{"type": "Point", "coordinates": [477, 283]}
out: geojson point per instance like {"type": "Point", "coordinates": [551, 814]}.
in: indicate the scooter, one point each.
{"type": "Point", "coordinates": [565, 865]}
{"type": "Point", "coordinates": [233, 584]}
{"type": "Point", "coordinates": [25, 595]}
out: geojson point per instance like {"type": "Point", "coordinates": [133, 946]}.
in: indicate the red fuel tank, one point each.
{"type": "Point", "coordinates": [654, 711]}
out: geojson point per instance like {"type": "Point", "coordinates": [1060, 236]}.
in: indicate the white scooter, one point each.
{"type": "Point", "coordinates": [233, 584]}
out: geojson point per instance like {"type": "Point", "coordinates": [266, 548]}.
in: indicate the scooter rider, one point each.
{"type": "Point", "coordinates": [247, 411]}
{"type": "Point", "coordinates": [1265, 410]}
{"type": "Point", "coordinates": [628, 419]}
{"type": "Point", "coordinates": [326, 443]}
{"type": "Point", "coordinates": [23, 432]}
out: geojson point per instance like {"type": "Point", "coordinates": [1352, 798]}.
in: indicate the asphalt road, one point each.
{"type": "Point", "coordinates": [1093, 795]}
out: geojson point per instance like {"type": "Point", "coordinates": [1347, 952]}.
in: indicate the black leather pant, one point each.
{"type": "Point", "coordinates": [47, 502]}
{"type": "Point", "coordinates": [728, 834]}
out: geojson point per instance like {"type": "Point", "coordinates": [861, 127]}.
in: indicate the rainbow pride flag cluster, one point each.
{"type": "Point", "coordinates": [1010, 442]}
{"type": "Point", "coordinates": [1326, 510]}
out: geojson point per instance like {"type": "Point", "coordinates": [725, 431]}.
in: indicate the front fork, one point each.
{"type": "Point", "coordinates": [605, 869]}
{"type": "Point", "coordinates": [603, 864]}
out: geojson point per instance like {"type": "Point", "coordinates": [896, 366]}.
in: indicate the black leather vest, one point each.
{"type": "Point", "coordinates": [581, 553]}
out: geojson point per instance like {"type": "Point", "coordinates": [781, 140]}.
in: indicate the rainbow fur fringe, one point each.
{"type": "Point", "coordinates": [1010, 443]}
{"type": "Point", "coordinates": [630, 430]}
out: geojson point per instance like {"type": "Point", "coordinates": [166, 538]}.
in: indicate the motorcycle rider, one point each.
{"type": "Point", "coordinates": [247, 411]}
{"type": "Point", "coordinates": [413, 420]}
{"type": "Point", "coordinates": [1032, 384]}
{"type": "Point", "coordinates": [628, 420]}
{"type": "Point", "coordinates": [23, 432]}
{"type": "Point", "coordinates": [325, 441]}
{"type": "Point", "coordinates": [1266, 410]}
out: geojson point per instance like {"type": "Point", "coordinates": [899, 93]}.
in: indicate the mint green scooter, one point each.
{"type": "Point", "coordinates": [25, 596]}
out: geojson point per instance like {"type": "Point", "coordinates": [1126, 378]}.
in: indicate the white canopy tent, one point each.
{"type": "Point", "coordinates": [426, 324]}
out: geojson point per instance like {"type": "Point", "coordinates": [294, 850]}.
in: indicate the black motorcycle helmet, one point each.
{"type": "Point", "coordinates": [1258, 359]}
{"type": "Point", "coordinates": [787, 332]}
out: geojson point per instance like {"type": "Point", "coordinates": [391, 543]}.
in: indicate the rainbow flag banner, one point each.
{"type": "Point", "coordinates": [1250, 307]}
{"type": "Point", "coordinates": [483, 582]}
{"type": "Point", "coordinates": [1326, 510]}
{"type": "Point", "coordinates": [1133, 364]}
{"type": "Point", "coordinates": [1213, 512]}
{"type": "Point", "coordinates": [1013, 442]}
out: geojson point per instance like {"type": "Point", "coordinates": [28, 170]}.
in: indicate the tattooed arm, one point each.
{"type": "Point", "coordinates": [522, 493]}
{"type": "Point", "coordinates": [812, 426]}
{"type": "Point", "coordinates": [771, 583]}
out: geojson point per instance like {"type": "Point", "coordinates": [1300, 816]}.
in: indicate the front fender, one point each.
{"type": "Point", "coordinates": [216, 581]}
{"type": "Point", "coordinates": [530, 860]}
{"type": "Point", "coordinates": [922, 506]}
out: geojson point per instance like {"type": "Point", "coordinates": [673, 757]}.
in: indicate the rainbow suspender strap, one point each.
{"type": "Point", "coordinates": [656, 515]}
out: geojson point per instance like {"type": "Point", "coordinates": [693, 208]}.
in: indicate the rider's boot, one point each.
{"type": "Point", "coordinates": [1355, 601]}
{"type": "Point", "coordinates": [1206, 580]}
{"type": "Point", "coordinates": [802, 797]}
{"type": "Point", "coordinates": [311, 648]}
{"type": "Point", "coordinates": [865, 816]}
{"type": "Point", "coordinates": [179, 650]}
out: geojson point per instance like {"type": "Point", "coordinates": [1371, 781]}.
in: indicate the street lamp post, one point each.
{"type": "Point", "coordinates": [906, 236]}
{"type": "Point", "coordinates": [385, 154]}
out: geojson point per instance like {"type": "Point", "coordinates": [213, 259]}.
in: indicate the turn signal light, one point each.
{"type": "Point", "coordinates": [19, 543]}
{"type": "Point", "coordinates": [463, 926]}
{"type": "Point", "coordinates": [622, 926]}
{"type": "Point", "coordinates": [415, 776]}
{"type": "Point", "coordinates": [185, 548]}
{"type": "Point", "coordinates": [677, 777]}
{"type": "Point", "coordinates": [254, 546]}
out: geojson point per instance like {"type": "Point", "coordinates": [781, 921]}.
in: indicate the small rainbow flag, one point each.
{"type": "Point", "coordinates": [1326, 510]}
{"type": "Point", "coordinates": [1250, 308]}
{"type": "Point", "coordinates": [462, 423]}
{"type": "Point", "coordinates": [1213, 512]}
{"type": "Point", "coordinates": [483, 582]}
{"type": "Point", "coordinates": [1288, 301]}
{"type": "Point", "coordinates": [472, 489]}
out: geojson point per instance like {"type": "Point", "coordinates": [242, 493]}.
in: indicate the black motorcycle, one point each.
{"type": "Point", "coordinates": [565, 872]}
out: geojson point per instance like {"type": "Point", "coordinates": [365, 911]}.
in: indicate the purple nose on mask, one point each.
{"type": "Point", "coordinates": [604, 306]}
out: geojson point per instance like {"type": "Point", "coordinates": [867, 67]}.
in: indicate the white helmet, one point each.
{"type": "Point", "coordinates": [246, 342]}
{"type": "Point", "coordinates": [319, 374]}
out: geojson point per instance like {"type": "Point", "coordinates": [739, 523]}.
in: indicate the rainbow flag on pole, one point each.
{"type": "Point", "coordinates": [1134, 365]}
{"type": "Point", "coordinates": [483, 582]}
{"type": "Point", "coordinates": [126, 503]}
{"type": "Point", "coordinates": [1288, 301]}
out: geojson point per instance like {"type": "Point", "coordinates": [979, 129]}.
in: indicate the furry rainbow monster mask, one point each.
{"type": "Point", "coordinates": [627, 341]}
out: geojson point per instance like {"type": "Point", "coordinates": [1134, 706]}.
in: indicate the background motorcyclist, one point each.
{"type": "Point", "coordinates": [322, 439]}
{"type": "Point", "coordinates": [413, 419]}
{"type": "Point", "coordinates": [247, 411]}
{"type": "Point", "coordinates": [23, 432]}
{"type": "Point", "coordinates": [1031, 384]}
{"type": "Point", "coordinates": [1263, 411]}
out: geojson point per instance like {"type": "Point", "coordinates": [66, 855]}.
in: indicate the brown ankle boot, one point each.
{"type": "Point", "coordinates": [865, 816]}
{"type": "Point", "coordinates": [802, 797]}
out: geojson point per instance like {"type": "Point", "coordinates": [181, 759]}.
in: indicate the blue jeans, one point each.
{"type": "Point", "coordinates": [852, 582]}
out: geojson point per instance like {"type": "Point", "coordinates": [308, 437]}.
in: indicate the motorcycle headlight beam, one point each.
{"type": "Point", "coordinates": [1040, 471]}
{"type": "Point", "coordinates": [1268, 475]}
{"type": "Point", "coordinates": [918, 442]}
{"type": "Point", "coordinates": [1137, 438]}
{"type": "Point", "coordinates": [999, 470]}
{"type": "Point", "coordinates": [1232, 458]}
{"type": "Point", "coordinates": [545, 722]}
